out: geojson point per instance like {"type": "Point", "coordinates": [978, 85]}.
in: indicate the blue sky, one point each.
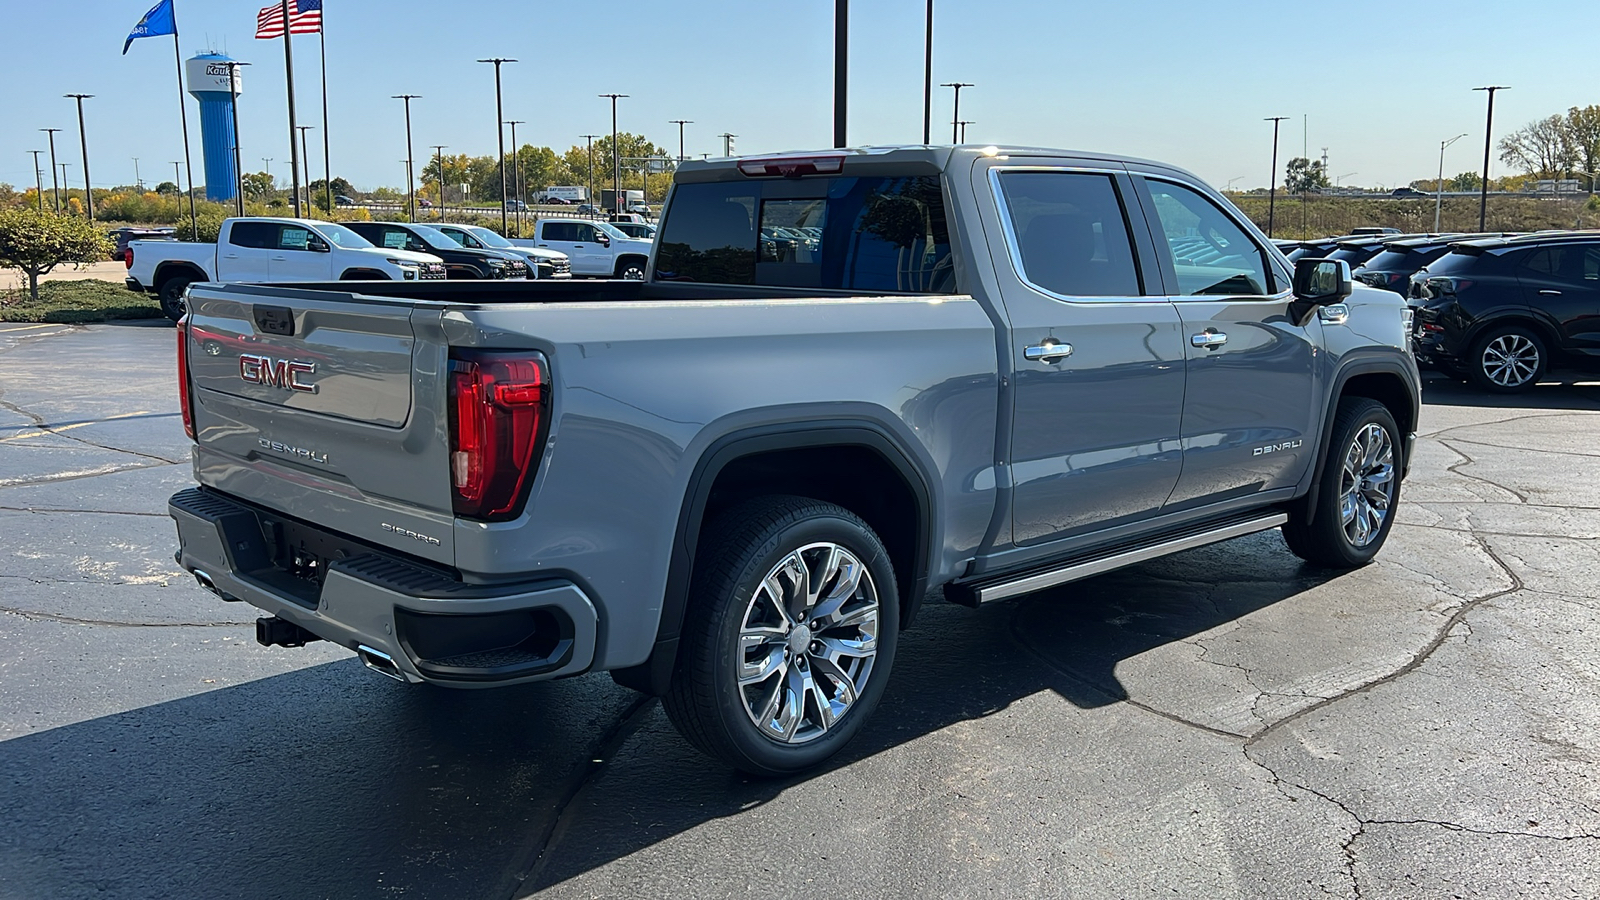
{"type": "Point", "coordinates": [1183, 82]}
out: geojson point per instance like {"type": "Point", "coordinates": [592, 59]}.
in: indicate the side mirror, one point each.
{"type": "Point", "coordinates": [318, 246]}
{"type": "Point", "coordinates": [1321, 281]}
{"type": "Point", "coordinates": [603, 240]}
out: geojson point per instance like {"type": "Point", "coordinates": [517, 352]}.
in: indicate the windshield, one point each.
{"type": "Point", "coordinates": [488, 237]}
{"type": "Point", "coordinates": [435, 238]}
{"type": "Point", "coordinates": [610, 229]}
{"type": "Point", "coordinates": [343, 236]}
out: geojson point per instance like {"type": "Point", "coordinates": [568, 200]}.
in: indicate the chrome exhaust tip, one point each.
{"type": "Point", "coordinates": [379, 662]}
{"type": "Point", "coordinates": [204, 580]}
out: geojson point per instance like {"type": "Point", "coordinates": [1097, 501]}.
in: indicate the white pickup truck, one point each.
{"type": "Point", "coordinates": [595, 248]}
{"type": "Point", "coordinates": [262, 250]}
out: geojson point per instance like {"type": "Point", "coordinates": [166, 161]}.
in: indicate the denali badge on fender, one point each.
{"type": "Point", "coordinates": [279, 373]}
{"type": "Point", "coordinates": [1277, 448]}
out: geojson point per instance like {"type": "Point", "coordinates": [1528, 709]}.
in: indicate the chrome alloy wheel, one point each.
{"type": "Point", "coordinates": [1366, 490]}
{"type": "Point", "coordinates": [1510, 360]}
{"type": "Point", "coordinates": [807, 643]}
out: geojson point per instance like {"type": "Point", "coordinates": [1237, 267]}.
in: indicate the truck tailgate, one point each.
{"type": "Point", "coordinates": [308, 401]}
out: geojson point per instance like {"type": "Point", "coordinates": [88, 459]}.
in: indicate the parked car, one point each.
{"type": "Point", "coordinates": [542, 263]}
{"type": "Point", "coordinates": [1358, 250]}
{"type": "Point", "coordinates": [1373, 229]}
{"type": "Point", "coordinates": [597, 249]}
{"type": "Point", "coordinates": [459, 261]}
{"type": "Point", "coordinates": [123, 236]}
{"type": "Point", "coordinates": [641, 230]}
{"type": "Point", "coordinates": [1393, 266]}
{"type": "Point", "coordinates": [734, 483]}
{"type": "Point", "coordinates": [257, 250]}
{"type": "Point", "coordinates": [1500, 311]}
{"type": "Point", "coordinates": [1316, 248]}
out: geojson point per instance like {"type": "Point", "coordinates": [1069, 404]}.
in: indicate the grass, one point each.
{"type": "Point", "coordinates": [77, 302]}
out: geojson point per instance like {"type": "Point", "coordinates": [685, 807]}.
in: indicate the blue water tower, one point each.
{"type": "Point", "coordinates": [209, 82]}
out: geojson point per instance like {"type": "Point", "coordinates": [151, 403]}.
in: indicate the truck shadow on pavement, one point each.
{"type": "Point", "coordinates": [1562, 389]}
{"type": "Point", "coordinates": [331, 781]}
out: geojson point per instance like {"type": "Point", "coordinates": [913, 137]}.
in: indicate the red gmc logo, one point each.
{"type": "Point", "coordinates": [278, 373]}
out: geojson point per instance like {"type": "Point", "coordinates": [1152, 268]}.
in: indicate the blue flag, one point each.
{"type": "Point", "coordinates": [158, 21]}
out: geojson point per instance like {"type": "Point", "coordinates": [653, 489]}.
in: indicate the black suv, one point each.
{"type": "Point", "coordinates": [459, 261]}
{"type": "Point", "coordinates": [1500, 310]}
{"type": "Point", "coordinates": [1400, 259]}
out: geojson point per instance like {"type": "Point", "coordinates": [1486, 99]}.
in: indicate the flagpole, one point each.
{"type": "Point", "coordinates": [288, 71]}
{"type": "Point", "coordinates": [183, 109]}
{"type": "Point", "coordinates": [327, 172]}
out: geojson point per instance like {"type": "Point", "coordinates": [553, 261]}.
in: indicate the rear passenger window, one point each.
{"type": "Point", "coordinates": [1212, 254]}
{"type": "Point", "coordinates": [257, 235]}
{"type": "Point", "coordinates": [1071, 233]}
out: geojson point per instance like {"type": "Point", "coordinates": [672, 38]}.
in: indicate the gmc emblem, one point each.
{"type": "Point", "coordinates": [278, 373]}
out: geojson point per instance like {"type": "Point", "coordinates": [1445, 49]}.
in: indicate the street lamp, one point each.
{"type": "Point", "coordinates": [38, 178]}
{"type": "Point", "coordinates": [1438, 193]}
{"type": "Point", "coordinates": [955, 115]}
{"type": "Point", "coordinates": [83, 141]}
{"type": "Point", "coordinates": [516, 170]}
{"type": "Point", "coordinates": [1488, 132]}
{"type": "Point", "coordinates": [1272, 183]}
{"type": "Point", "coordinates": [590, 138]}
{"type": "Point", "coordinates": [305, 166]}
{"type": "Point", "coordinates": [680, 123]}
{"type": "Point", "coordinates": [841, 69]}
{"type": "Point", "coordinates": [238, 161]}
{"type": "Point", "coordinates": [500, 135]}
{"type": "Point", "coordinates": [727, 143]}
{"type": "Point", "coordinates": [438, 150]}
{"type": "Point", "coordinates": [964, 123]}
{"type": "Point", "coordinates": [267, 160]}
{"type": "Point", "coordinates": [138, 181]}
{"type": "Point", "coordinates": [927, 79]}
{"type": "Point", "coordinates": [411, 190]}
{"type": "Point", "coordinates": [616, 156]}
{"type": "Point", "coordinates": [55, 186]}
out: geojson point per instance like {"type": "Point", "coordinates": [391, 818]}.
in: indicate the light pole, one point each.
{"type": "Point", "coordinates": [238, 160]}
{"type": "Point", "coordinates": [271, 184]}
{"type": "Point", "coordinates": [727, 143]}
{"type": "Point", "coordinates": [438, 150]}
{"type": "Point", "coordinates": [516, 170]}
{"type": "Point", "coordinates": [590, 138]}
{"type": "Point", "coordinates": [841, 70]}
{"type": "Point", "coordinates": [680, 123]}
{"type": "Point", "coordinates": [55, 186]}
{"type": "Point", "coordinates": [500, 135]}
{"type": "Point", "coordinates": [1272, 183]}
{"type": "Point", "coordinates": [138, 182]}
{"type": "Point", "coordinates": [1488, 138]}
{"type": "Point", "coordinates": [305, 166]}
{"type": "Point", "coordinates": [64, 188]}
{"type": "Point", "coordinates": [177, 180]}
{"type": "Point", "coordinates": [38, 178]}
{"type": "Point", "coordinates": [1438, 192]}
{"type": "Point", "coordinates": [955, 115]}
{"type": "Point", "coordinates": [411, 190]}
{"type": "Point", "coordinates": [616, 156]}
{"type": "Point", "coordinates": [927, 79]}
{"type": "Point", "coordinates": [1231, 181]}
{"type": "Point", "coordinates": [964, 123]}
{"type": "Point", "coordinates": [83, 140]}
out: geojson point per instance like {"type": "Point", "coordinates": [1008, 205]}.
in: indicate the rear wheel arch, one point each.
{"type": "Point", "coordinates": [167, 271]}
{"type": "Point", "coordinates": [630, 261]}
{"type": "Point", "coordinates": [857, 465]}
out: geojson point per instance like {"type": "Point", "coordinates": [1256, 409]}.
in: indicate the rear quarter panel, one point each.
{"type": "Point", "coordinates": [643, 389]}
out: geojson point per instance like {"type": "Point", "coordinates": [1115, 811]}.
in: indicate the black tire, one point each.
{"type": "Point", "coordinates": [1507, 359]}
{"type": "Point", "coordinates": [171, 296]}
{"type": "Point", "coordinates": [631, 268]}
{"type": "Point", "coordinates": [740, 553]}
{"type": "Point", "coordinates": [1323, 538]}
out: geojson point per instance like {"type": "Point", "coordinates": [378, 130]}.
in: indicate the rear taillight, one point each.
{"type": "Point", "coordinates": [127, 257]}
{"type": "Point", "coordinates": [183, 377]}
{"type": "Point", "coordinates": [499, 407]}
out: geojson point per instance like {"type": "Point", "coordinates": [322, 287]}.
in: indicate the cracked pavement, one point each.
{"type": "Point", "coordinates": [1222, 723]}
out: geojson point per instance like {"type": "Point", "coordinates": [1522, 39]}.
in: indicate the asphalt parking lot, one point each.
{"type": "Point", "coordinates": [1222, 723]}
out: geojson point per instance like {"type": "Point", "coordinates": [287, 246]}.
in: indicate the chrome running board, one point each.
{"type": "Point", "coordinates": [981, 591]}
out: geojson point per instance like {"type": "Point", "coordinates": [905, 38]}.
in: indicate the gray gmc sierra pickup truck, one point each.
{"type": "Point", "coordinates": [851, 379]}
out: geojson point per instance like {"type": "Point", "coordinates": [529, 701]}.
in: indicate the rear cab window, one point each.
{"type": "Point", "coordinates": [885, 234]}
{"type": "Point", "coordinates": [255, 235]}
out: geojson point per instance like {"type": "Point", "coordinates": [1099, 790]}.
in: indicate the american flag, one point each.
{"type": "Point", "coordinates": [305, 17]}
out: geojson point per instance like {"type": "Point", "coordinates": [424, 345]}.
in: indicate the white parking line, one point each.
{"type": "Point", "coordinates": [4, 330]}
{"type": "Point", "coordinates": [45, 431]}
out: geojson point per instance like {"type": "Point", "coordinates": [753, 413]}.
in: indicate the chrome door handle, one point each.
{"type": "Point", "coordinates": [1208, 339]}
{"type": "Point", "coordinates": [1551, 293]}
{"type": "Point", "coordinates": [1049, 351]}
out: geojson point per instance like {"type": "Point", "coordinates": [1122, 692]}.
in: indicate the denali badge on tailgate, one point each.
{"type": "Point", "coordinates": [316, 456]}
{"type": "Point", "coordinates": [279, 373]}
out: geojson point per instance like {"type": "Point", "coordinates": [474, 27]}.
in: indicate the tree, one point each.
{"type": "Point", "coordinates": [1583, 135]}
{"type": "Point", "coordinates": [1302, 176]}
{"type": "Point", "coordinates": [1541, 148]}
{"type": "Point", "coordinates": [319, 193]}
{"type": "Point", "coordinates": [167, 187]}
{"type": "Point", "coordinates": [1466, 181]}
{"type": "Point", "coordinates": [36, 242]}
{"type": "Point", "coordinates": [257, 185]}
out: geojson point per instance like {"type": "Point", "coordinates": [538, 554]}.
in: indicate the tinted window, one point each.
{"type": "Point", "coordinates": [866, 234]}
{"type": "Point", "coordinates": [1071, 233]}
{"type": "Point", "coordinates": [1575, 264]}
{"type": "Point", "coordinates": [1212, 255]}
{"type": "Point", "coordinates": [260, 235]}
